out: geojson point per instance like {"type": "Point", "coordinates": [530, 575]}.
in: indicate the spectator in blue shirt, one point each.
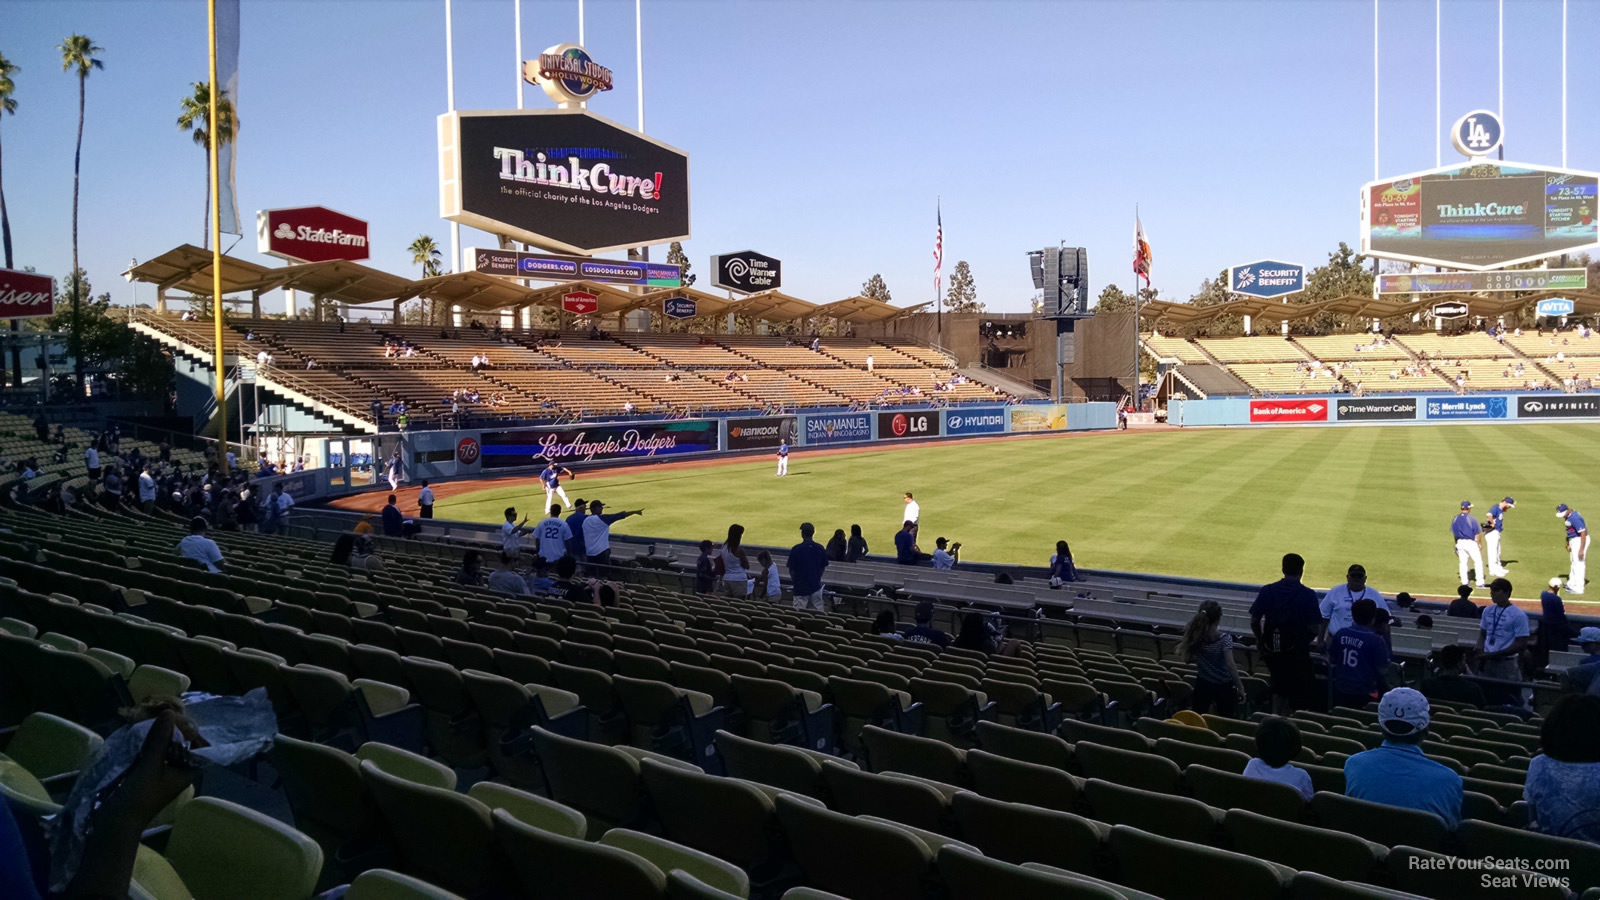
{"type": "Point", "coordinates": [807, 560]}
{"type": "Point", "coordinates": [923, 631]}
{"type": "Point", "coordinates": [1589, 642]}
{"type": "Point", "coordinates": [1284, 617]}
{"type": "Point", "coordinates": [1358, 657]}
{"type": "Point", "coordinates": [580, 511]}
{"type": "Point", "coordinates": [906, 552]}
{"type": "Point", "coordinates": [1563, 784]}
{"type": "Point", "coordinates": [394, 524]}
{"type": "Point", "coordinates": [1397, 773]}
{"type": "Point", "coordinates": [1554, 632]}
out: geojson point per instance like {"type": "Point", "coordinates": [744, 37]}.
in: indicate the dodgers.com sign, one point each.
{"type": "Point", "coordinates": [984, 420]}
{"type": "Point", "coordinates": [1267, 278]}
{"type": "Point", "coordinates": [1289, 410]}
{"type": "Point", "coordinates": [1465, 407]}
{"type": "Point", "coordinates": [838, 429]}
{"type": "Point", "coordinates": [1555, 306]}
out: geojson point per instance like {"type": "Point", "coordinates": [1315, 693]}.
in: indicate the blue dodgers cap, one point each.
{"type": "Point", "coordinates": [1509, 502]}
{"type": "Point", "coordinates": [1466, 504]}
{"type": "Point", "coordinates": [1562, 509]}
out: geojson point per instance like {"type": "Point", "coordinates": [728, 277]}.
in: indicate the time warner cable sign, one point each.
{"type": "Point", "coordinates": [1267, 278]}
{"type": "Point", "coordinates": [565, 179]}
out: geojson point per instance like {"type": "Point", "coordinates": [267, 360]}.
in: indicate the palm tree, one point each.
{"type": "Point", "coordinates": [77, 53]}
{"type": "Point", "coordinates": [196, 119]}
{"type": "Point", "coordinates": [425, 252]}
{"type": "Point", "coordinates": [8, 104]}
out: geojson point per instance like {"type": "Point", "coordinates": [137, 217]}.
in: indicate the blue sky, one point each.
{"type": "Point", "coordinates": [821, 133]}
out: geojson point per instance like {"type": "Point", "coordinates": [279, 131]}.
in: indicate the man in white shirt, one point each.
{"type": "Point", "coordinates": [511, 533]}
{"type": "Point", "coordinates": [597, 532]}
{"type": "Point", "coordinates": [91, 460]}
{"type": "Point", "coordinates": [944, 558]}
{"type": "Point", "coordinates": [147, 490]}
{"type": "Point", "coordinates": [200, 548]}
{"type": "Point", "coordinates": [1502, 637]}
{"type": "Point", "coordinates": [1335, 605]}
{"type": "Point", "coordinates": [553, 534]}
{"type": "Point", "coordinates": [425, 501]}
{"type": "Point", "coordinates": [913, 514]}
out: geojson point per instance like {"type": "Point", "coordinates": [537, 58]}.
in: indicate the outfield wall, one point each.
{"type": "Point", "coordinates": [1385, 409]}
{"type": "Point", "coordinates": [438, 455]}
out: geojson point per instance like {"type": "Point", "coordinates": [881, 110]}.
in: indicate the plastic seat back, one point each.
{"type": "Point", "coordinates": [222, 849]}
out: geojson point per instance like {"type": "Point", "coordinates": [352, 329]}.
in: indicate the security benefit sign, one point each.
{"type": "Point", "coordinates": [1267, 278]}
{"type": "Point", "coordinates": [893, 426]}
{"type": "Point", "coordinates": [1377, 409]}
{"type": "Point", "coordinates": [975, 420]}
{"type": "Point", "coordinates": [1465, 407]}
{"type": "Point", "coordinates": [511, 449]}
{"type": "Point", "coordinates": [1277, 411]}
{"type": "Point", "coordinates": [1558, 406]}
{"type": "Point", "coordinates": [762, 433]}
{"type": "Point", "coordinates": [840, 429]}
{"type": "Point", "coordinates": [564, 179]}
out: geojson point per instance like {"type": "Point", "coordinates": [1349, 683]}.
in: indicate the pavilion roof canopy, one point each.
{"type": "Point", "coordinates": [773, 306]}
{"type": "Point", "coordinates": [187, 268]}
{"type": "Point", "coordinates": [860, 310]}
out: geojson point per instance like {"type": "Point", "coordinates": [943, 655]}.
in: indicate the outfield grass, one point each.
{"type": "Point", "coordinates": [1224, 503]}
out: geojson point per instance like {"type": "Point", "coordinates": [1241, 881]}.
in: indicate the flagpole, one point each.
{"type": "Point", "coordinates": [216, 251]}
{"type": "Point", "coordinates": [938, 277]}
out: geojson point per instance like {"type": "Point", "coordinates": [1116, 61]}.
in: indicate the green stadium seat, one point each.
{"type": "Point", "coordinates": [1379, 822]}
{"type": "Point", "coordinates": [385, 884]}
{"type": "Point", "coordinates": [222, 849]}
{"type": "Point", "coordinates": [1168, 868]}
{"type": "Point", "coordinates": [1016, 781]}
{"type": "Point", "coordinates": [1304, 847]}
{"type": "Point", "coordinates": [782, 767]}
{"type": "Point", "coordinates": [891, 751]}
{"type": "Point", "coordinates": [864, 860]}
{"type": "Point", "coordinates": [668, 856]}
{"type": "Point", "coordinates": [971, 876]}
{"type": "Point", "coordinates": [1145, 771]}
{"type": "Point", "coordinates": [549, 865]}
{"type": "Point", "coordinates": [438, 834]}
{"type": "Point", "coordinates": [1019, 833]}
{"type": "Point", "coordinates": [1180, 818]}
{"type": "Point", "coordinates": [51, 748]}
{"type": "Point", "coordinates": [858, 793]}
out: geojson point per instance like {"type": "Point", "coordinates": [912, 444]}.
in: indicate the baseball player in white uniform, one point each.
{"type": "Point", "coordinates": [1493, 528]}
{"type": "Point", "coordinates": [1577, 546]}
{"type": "Point", "coordinates": [551, 476]}
{"type": "Point", "coordinates": [1466, 531]}
{"type": "Point", "coordinates": [783, 459]}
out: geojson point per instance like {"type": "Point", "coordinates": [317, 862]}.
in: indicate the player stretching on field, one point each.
{"type": "Point", "coordinates": [551, 476]}
{"type": "Point", "coordinates": [783, 459]}
{"type": "Point", "coordinates": [1577, 546]}
{"type": "Point", "coordinates": [1493, 530]}
{"type": "Point", "coordinates": [1466, 531]}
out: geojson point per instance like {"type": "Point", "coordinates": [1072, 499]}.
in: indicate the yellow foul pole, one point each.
{"type": "Point", "coordinates": [212, 122]}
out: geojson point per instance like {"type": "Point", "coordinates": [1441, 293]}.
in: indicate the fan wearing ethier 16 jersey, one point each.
{"type": "Point", "coordinates": [551, 476]}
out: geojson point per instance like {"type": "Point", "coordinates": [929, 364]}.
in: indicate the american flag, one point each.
{"type": "Point", "coordinates": [938, 254]}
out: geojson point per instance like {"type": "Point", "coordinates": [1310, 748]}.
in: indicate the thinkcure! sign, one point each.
{"type": "Point", "coordinates": [580, 303]}
{"type": "Point", "coordinates": [310, 234]}
{"type": "Point", "coordinates": [747, 272]}
{"type": "Point", "coordinates": [24, 295]}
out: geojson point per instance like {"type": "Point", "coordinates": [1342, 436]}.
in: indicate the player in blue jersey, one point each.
{"type": "Point", "coordinates": [1466, 532]}
{"type": "Point", "coordinates": [783, 459]}
{"type": "Point", "coordinates": [1577, 546]}
{"type": "Point", "coordinates": [551, 475]}
{"type": "Point", "coordinates": [1493, 530]}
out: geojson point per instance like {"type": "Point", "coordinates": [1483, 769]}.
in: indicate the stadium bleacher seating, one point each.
{"type": "Point", "coordinates": [1369, 363]}
{"type": "Point", "coordinates": [677, 745]}
{"type": "Point", "coordinates": [543, 375]}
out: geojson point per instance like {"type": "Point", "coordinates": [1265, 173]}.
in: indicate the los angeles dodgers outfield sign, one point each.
{"type": "Point", "coordinates": [1478, 133]}
{"type": "Point", "coordinates": [1267, 278]}
{"type": "Point", "coordinates": [564, 179]}
{"type": "Point", "coordinates": [510, 449]}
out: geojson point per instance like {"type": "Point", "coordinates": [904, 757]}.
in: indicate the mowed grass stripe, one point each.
{"type": "Point", "coordinates": [1220, 503]}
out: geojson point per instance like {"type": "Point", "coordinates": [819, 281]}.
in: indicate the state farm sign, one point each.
{"type": "Point", "coordinates": [310, 234]}
{"type": "Point", "coordinates": [24, 295]}
{"type": "Point", "coordinates": [579, 303]}
{"type": "Point", "coordinates": [1288, 410]}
